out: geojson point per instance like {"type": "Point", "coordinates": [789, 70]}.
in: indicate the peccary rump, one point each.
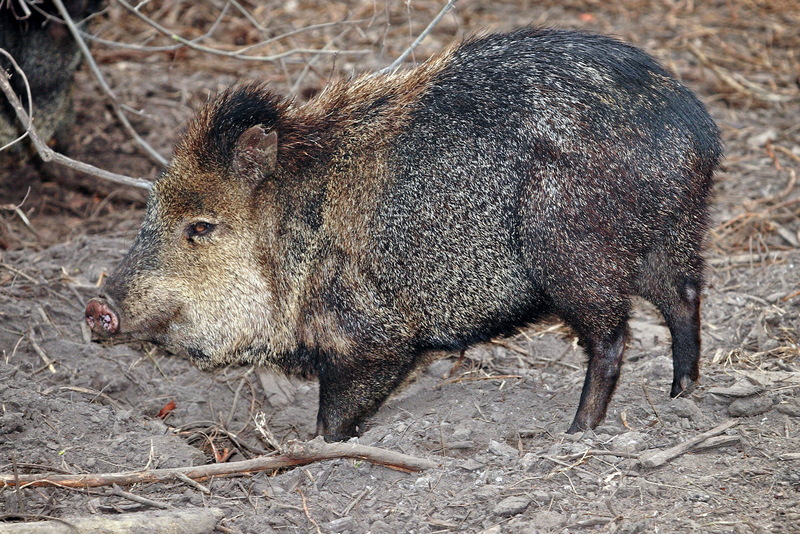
{"type": "Point", "coordinates": [515, 176]}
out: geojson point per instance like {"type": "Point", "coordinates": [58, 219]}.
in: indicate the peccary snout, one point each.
{"type": "Point", "coordinates": [101, 317]}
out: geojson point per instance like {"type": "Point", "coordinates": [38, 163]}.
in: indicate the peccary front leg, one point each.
{"type": "Point", "coordinates": [352, 390]}
{"type": "Point", "coordinates": [605, 359]}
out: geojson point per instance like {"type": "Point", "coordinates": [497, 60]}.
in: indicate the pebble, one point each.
{"type": "Point", "coordinates": [11, 422]}
{"type": "Point", "coordinates": [546, 521]}
{"type": "Point", "coordinates": [502, 449]}
{"type": "Point", "coordinates": [470, 464]}
{"type": "Point", "coordinates": [529, 460]}
{"type": "Point", "coordinates": [510, 506]}
{"type": "Point", "coordinates": [698, 496]}
{"type": "Point", "coordinates": [687, 408]}
{"type": "Point", "coordinates": [339, 525]}
{"type": "Point", "coordinates": [629, 442]}
{"type": "Point", "coordinates": [790, 407]}
{"type": "Point", "coordinates": [380, 526]}
{"type": "Point", "coordinates": [749, 406]}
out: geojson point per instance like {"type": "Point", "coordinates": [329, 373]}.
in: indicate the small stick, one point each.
{"type": "Point", "coordinates": [790, 296]}
{"type": "Point", "coordinates": [193, 520]}
{"type": "Point", "coordinates": [742, 84]}
{"type": "Point", "coordinates": [659, 458]}
{"type": "Point", "coordinates": [18, 493]}
{"type": "Point", "coordinates": [598, 452]}
{"type": "Point", "coordinates": [357, 499]}
{"type": "Point", "coordinates": [305, 509]}
{"type": "Point", "coordinates": [27, 92]}
{"type": "Point", "coordinates": [555, 361]}
{"type": "Point", "coordinates": [298, 453]}
{"type": "Point", "coordinates": [193, 483]}
{"type": "Point", "coordinates": [42, 354]}
{"type": "Point", "coordinates": [652, 406]}
{"type": "Point", "coordinates": [119, 492]}
{"type": "Point", "coordinates": [476, 378]}
{"type": "Point", "coordinates": [22, 274]}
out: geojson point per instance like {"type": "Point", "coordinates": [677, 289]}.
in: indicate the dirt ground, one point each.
{"type": "Point", "coordinates": [494, 423]}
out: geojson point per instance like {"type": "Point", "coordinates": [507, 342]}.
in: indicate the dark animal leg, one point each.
{"type": "Point", "coordinates": [351, 392]}
{"type": "Point", "coordinates": [683, 321]}
{"type": "Point", "coordinates": [605, 359]}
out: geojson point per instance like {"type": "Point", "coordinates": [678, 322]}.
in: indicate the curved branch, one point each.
{"type": "Point", "coordinates": [48, 154]}
{"type": "Point", "coordinates": [298, 453]}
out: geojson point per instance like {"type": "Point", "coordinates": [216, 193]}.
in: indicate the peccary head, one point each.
{"type": "Point", "coordinates": [194, 277]}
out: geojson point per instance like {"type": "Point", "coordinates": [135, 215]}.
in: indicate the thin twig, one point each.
{"type": "Point", "coordinates": [305, 509]}
{"type": "Point", "coordinates": [158, 158]}
{"type": "Point", "coordinates": [21, 273]}
{"type": "Point", "coordinates": [478, 378]}
{"type": "Point", "coordinates": [173, 47]}
{"type": "Point", "coordinates": [140, 48]}
{"type": "Point", "coordinates": [231, 54]}
{"type": "Point", "coordinates": [193, 483]}
{"type": "Point", "coordinates": [310, 63]}
{"type": "Point", "coordinates": [42, 354]}
{"type": "Point", "coordinates": [652, 406]}
{"type": "Point", "coordinates": [48, 154]}
{"type": "Point", "coordinates": [119, 492]}
{"type": "Point", "coordinates": [396, 63]}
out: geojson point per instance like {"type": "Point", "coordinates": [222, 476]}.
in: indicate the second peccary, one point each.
{"type": "Point", "coordinates": [513, 177]}
{"type": "Point", "coordinates": [47, 54]}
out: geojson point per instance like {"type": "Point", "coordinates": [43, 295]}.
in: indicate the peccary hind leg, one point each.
{"type": "Point", "coordinates": [605, 360]}
{"type": "Point", "coordinates": [676, 293]}
{"type": "Point", "coordinates": [683, 320]}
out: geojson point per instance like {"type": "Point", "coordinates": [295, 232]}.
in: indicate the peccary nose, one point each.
{"type": "Point", "coordinates": [101, 318]}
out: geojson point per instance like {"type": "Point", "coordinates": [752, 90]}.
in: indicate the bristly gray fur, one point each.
{"type": "Point", "coordinates": [538, 172]}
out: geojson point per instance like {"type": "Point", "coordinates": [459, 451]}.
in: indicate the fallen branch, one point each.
{"type": "Point", "coordinates": [27, 92]}
{"type": "Point", "coordinates": [297, 453]}
{"type": "Point", "coordinates": [659, 458]}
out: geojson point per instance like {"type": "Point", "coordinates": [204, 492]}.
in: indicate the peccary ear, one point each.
{"type": "Point", "coordinates": [256, 154]}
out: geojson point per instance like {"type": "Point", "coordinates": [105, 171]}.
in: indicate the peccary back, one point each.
{"type": "Point", "coordinates": [513, 177]}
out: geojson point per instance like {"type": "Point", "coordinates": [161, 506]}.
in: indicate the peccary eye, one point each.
{"type": "Point", "coordinates": [199, 229]}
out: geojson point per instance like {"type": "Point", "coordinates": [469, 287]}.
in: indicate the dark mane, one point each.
{"type": "Point", "coordinates": [212, 134]}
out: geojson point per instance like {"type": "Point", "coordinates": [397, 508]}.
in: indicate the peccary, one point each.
{"type": "Point", "coordinates": [515, 176]}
